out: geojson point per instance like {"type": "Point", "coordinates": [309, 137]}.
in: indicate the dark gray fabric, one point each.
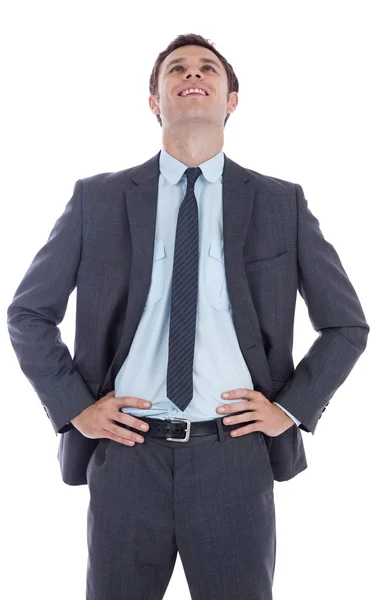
{"type": "Point", "coordinates": [183, 306]}
{"type": "Point", "coordinates": [273, 248]}
{"type": "Point", "coordinates": [211, 501]}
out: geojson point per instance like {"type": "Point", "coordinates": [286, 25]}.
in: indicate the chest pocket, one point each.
{"type": "Point", "coordinates": [216, 286]}
{"type": "Point", "coordinates": [156, 290]}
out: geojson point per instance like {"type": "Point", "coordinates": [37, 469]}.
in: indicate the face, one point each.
{"type": "Point", "coordinates": [192, 67]}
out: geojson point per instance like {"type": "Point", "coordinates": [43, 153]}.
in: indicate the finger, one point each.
{"type": "Point", "coordinates": [235, 407]}
{"type": "Point", "coordinates": [121, 433]}
{"type": "Point", "coordinates": [240, 393]}
{"type": "Point", "coordinates": [120, 440]}
{"type": "Point", "coordinates": [132, 421]}
{"type": "Point", "coordinates": [244, 417]}
{"type": "Point", "coordinates": [132, 401]}
{"type": "Point", "coordinates": [244, 430]}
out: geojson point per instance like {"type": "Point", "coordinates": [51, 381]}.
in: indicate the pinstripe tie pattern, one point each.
{"type": "Point", "coordinates": [184, 298]}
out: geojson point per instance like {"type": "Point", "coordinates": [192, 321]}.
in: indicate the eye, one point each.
{"type": "Point", "coordinates": [179, 66]}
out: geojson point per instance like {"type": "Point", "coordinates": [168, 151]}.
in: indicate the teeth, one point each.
{"type": "Point", "coordinates": [193, 91]}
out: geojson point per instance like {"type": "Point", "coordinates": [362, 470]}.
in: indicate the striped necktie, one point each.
{"type": "Point", "coordinates": [184, 298]}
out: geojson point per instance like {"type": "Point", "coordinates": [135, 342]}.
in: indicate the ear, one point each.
{"type": "Point", "coordinates": [233, 102]}
{"type": "Point", "coordinates": [153, 105]}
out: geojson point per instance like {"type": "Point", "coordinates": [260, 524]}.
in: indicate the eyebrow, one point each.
{"type": "Point", "coordinates": [183, 59]}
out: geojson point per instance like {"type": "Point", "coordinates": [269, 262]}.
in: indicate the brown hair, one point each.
{"type": "Point", "coordinates": [186, 40]}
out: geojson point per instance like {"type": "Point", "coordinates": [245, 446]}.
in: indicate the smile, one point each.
{"type": "Point", "coordinates": [193, 92]}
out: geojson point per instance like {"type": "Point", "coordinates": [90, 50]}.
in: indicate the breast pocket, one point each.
{"type": "Point", "coordinates": [156, 290]}
{"type": "Point", "coordinates": [216, 286]}
{"type": "Point", "coordinates": [268, 263]}
{"type": "Point", "coordinates": [272, 283]}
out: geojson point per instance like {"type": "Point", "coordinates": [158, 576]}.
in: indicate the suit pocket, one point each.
{"type": "Point", "coordinates": [216, 286]}
{"type": "Point", "coordinates": [265, 452]}
{"type": "Point", "coordinates": [272, 283]}
{"type": "Point", "coordinates": [268, 263]}
{"type": "Point", "coordinates": [156, 290]}
{"type": "Point", "coordinates": [97, 459]}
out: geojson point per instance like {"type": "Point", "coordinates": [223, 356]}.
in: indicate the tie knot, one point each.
{"type": "Point", "coordinates": [192, 173]}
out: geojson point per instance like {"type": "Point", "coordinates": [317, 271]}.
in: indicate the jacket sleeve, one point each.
{"type": "Point", "coordinates": [335, 313]}
{"type": "Point", "coordinates": [38, 306]}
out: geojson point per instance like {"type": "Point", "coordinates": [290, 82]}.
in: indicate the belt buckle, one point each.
{"type": "Point", "coordinates": [185, 439]}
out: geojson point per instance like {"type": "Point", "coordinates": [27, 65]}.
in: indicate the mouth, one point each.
{"type": "Point", "coordinates": [193, 94]}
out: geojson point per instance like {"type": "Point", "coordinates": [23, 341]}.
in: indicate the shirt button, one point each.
{"type": "Point", "coordinates": [174, 410]}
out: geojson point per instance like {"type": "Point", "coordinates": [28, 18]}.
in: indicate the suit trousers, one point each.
{"type": "Point", "coordinates": [210, 499]}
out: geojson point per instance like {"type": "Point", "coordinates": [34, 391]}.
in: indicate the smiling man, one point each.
{"type": "Point", "coordinates": [193, 107]}
{"type": "Point", "coordinates": [182, 405]}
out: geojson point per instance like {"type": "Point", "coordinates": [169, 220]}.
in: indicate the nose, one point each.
{"type": "Point", "coordinates": [193, 72]}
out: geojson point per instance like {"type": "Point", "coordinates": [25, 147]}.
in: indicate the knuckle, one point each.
{"type": "Point", "coordinates": [126, 442]}
{"type": "Point", "coordinates": [132, 435]}
{"type": "Point", "coordinates": [142, 425]}
{"type": "Point", "coordinates": [133, 422]}
{"type": "Point", "coordinates": [121, 432]}
{"type": "Point", "coordinates": [136, 423]}
{"type": "Point", "coordinates": [127, 419]}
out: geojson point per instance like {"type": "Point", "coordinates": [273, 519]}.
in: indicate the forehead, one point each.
{"type": "Point", "coordinates": [186, 53]}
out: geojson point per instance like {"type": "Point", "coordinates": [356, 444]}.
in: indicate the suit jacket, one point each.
{"type": "Point", "coordinates": [103, 245]}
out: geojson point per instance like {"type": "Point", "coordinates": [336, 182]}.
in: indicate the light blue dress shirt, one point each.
{"type": "Point", "coordinates": [218, 362]}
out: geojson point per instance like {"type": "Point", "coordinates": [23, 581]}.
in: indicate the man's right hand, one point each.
{"type": "Point", "coordinates": [97, 420]}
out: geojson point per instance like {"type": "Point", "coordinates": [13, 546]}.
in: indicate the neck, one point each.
{"type": "Point", "coordinates": [192, 147]}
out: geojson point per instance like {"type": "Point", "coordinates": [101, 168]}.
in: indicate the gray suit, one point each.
{"type": "Point", "coordinates": [272, 242]}
{"type": "Point", "coordinates": [211, 500]}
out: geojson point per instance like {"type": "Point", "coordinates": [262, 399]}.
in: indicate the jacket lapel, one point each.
{"type": "Point", "coordinates": [238, 197]}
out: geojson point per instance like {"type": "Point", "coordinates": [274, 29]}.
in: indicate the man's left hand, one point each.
{"type": "Point", "coordinates": [268, 417]}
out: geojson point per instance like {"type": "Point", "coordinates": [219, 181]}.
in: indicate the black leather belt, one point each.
{"type": "Point", "coordinates": [180, 430]}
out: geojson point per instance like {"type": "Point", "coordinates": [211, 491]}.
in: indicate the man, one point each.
{"type": "Point", "coordinates": [187, 269]}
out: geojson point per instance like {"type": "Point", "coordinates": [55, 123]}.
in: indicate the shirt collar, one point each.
{"type": "Point", "coordinates": [173, 169]}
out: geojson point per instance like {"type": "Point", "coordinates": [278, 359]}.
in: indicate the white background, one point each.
{"type": "Point", "coordinates": [75, 103]}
